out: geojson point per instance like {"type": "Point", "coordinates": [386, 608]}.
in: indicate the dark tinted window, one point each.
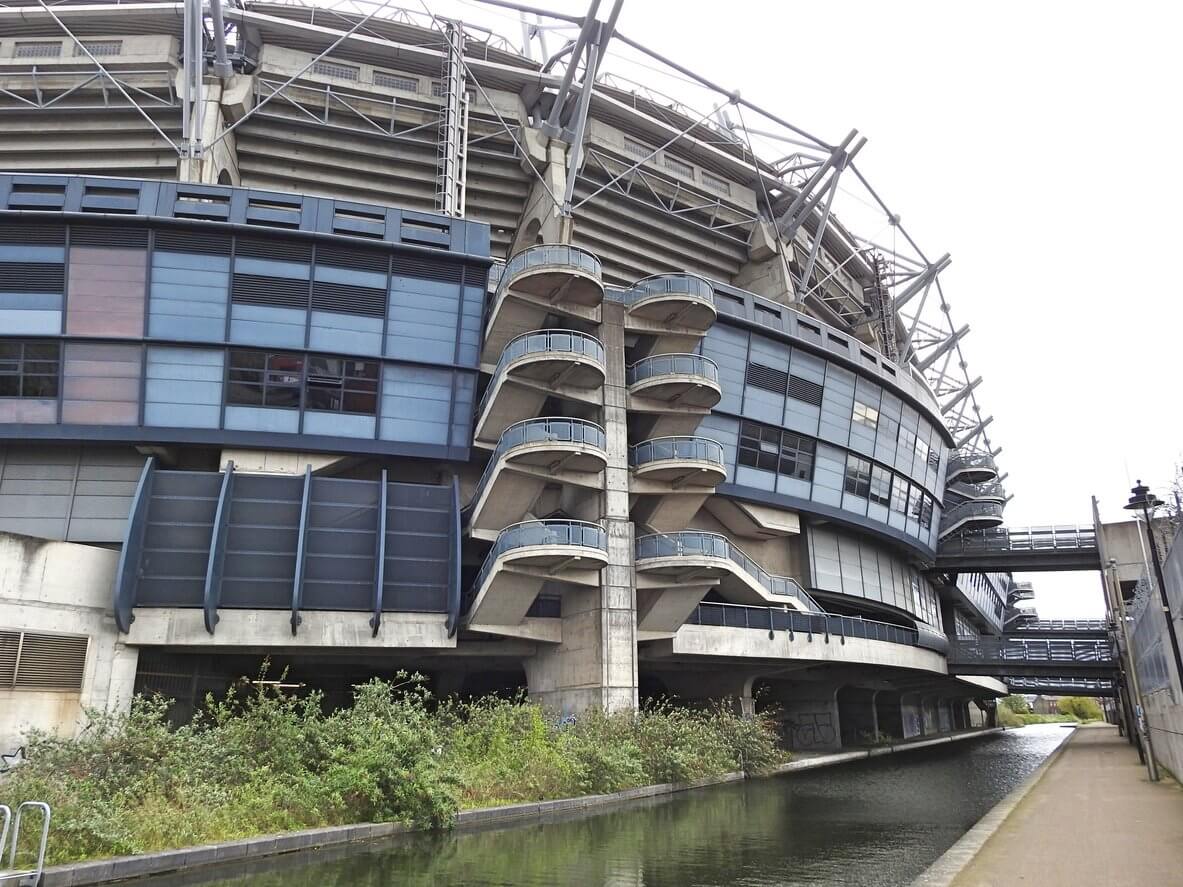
{"type": "Point", "coordinates": [29, 369]}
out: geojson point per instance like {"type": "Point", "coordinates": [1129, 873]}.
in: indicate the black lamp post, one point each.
{"type": "Point", "coordinates": [1145, 501]}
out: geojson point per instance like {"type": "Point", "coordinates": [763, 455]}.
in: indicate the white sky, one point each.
{"type": "Point", "coordinates": [1038, 144]}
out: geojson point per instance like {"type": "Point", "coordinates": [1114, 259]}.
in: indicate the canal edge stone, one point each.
{"type": "Point", "coordinates": [165, 861]}
{"type": "Point", "coordinates": [950, 864]}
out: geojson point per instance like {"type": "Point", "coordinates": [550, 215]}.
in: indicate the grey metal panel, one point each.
{"type": "Point", "coordinates": [261, 546]}
{"type": "Point", "coordinates": [128, 573]}
{"type": "Point", "coordinates": [728, 348]}
{"type": "Point", "coordinates": [416, 404]}
{"type": "Point", "coordinates": [419, 520]}
{"type": "Point", "coordinates": [340, 545]}
{"type": "Point", "coordinates": [422, 319]}
{"type": "Point", "coordinates": [177, 538]}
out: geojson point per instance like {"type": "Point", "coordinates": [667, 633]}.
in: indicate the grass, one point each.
{"type": "Point", "coordinates": [263, 762]}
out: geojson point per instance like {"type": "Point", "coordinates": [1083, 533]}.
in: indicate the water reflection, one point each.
{"type": "Point", "coordinates": [875, 824]}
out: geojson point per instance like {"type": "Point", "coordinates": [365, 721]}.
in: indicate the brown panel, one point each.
{"type": "Point", "coordinates": [101, 384]}
{"type": "Point", "coordinates": [16, 410]}
{"type": "Point", "coordinates": [106, 292]}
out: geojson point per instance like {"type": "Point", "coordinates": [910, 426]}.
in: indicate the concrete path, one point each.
{"type": "Point", "coordinates": [1093, 819]}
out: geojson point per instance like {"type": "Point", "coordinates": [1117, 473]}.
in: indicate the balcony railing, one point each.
{"type": "Point", "coordinates": [777, 619]}
{"type": "Point", "coordinates": [660, 449]}
{"type": "Point", "coordinates": [974, 511]}
{"type": "Point", "coordinates": [670, 365]}
{"type": "Point", "coordinates": [669, 284]}
{"type": "Point", "coordinates": [989, 490]}
{"type": "Point", "coordinates": [545, 430]}
{"type": "Point", "coordinates": [549, 255]}
{"type": "Point", "coordinates": [695, 544]}
{"type": "Point", "coordinates": [528, 534]}
{"type": "Point", "coordinates": [562, 342]}
{"type": "Point", "coordinates": [970, 460]}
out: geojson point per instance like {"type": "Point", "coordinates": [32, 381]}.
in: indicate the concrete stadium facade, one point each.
{"type": "Point", "coordinates": [386, 347]}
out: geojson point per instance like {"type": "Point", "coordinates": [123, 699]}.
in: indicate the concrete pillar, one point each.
{"type": "Point", "coordinates": [857, 715]}
{"type": "Point", "coordinates": [913, 725]}
{"type": "Point", "coordinates": [219, 163]}
{"type": "Point", "coordinates": [595, 665]}
{"type": "Point", "coordinates": [810, 715]}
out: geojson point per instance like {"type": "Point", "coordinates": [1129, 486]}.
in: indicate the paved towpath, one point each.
{"type": "Point", "coordinates": [1093, 819]}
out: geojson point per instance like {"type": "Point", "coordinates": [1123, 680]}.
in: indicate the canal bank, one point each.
{"type": "Point", "coordinates": [1090, 813]}
{"type": "Point", "coordinates": [347, 838]}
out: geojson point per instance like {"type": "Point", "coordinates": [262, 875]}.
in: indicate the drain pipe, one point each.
{"type": "Point", "coordinates": [222, 66]}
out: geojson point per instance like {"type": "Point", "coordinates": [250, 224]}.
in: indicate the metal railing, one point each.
{"type": "Point", "coordinates": [1034, 652]}
{"type": "Point", "coordinates": [667, 284]}
{"type": "Point", "coordinates": [691, 543]}
{"type": "Point", "coordinates": [549, 255]}
{"type": "Point", "coordinates": [778, 619]}
{"type": "Point", "coordinates": [659, 449]}
{"type": "Point", "coordinates": [988, 490]}
{"type": "Point", "coordinates": [962, 460]}
{"type": "Point", "coordinates": [1037, 684]}
{"type": "Point", "coordinates": [963, 511]}
{"type": "Point", "coordinates": [1039, 626]}
{"type": "Point", "coordinates": [542, 532]}
{"type": "Point", "coordinates": [542, 342]}
{"type": "Point", "coordinates": [551, 429]}
{"type": "Point", "coordinates": [10, 841]}
{"type": "Point", "coordinates": [1004, 539]}
{"type": "Point", "coordinates": [672, 364]}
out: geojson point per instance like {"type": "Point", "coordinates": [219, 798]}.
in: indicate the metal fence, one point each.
{"type": "Point", "coordinates": [672, 364]}
{"type": "Point", "coordinates": [1035, 651]}
{"type": "Point", "coordinates": [544, 430]}
{"type": "Point", "coordinates": [1003, 539]}
{"type": "Point", "coordinates": [542, 532]}
{"type": "Point", "coordinates": [550, 255]}
{"type": "Point", "coordinates": [702, 449]}
{"type": "Point", "coordinates": [778, 619]}
{"type": "Point", "coordinates": [666, 284]}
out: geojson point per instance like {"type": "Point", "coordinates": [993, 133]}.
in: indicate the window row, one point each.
{"type": "Point", "coordinates": [868, 417]}
{"type": "Point", "coordinates": [313, 382]}
{"type": "Point", "coordinates": [877, 484]}
{"type": "Point", "coordinates": [771, 449]}
{"type": "Point", "coordinates": [29, 369]}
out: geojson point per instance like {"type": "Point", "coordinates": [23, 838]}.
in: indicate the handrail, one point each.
{"type": "Point", "coordinates": [1077, 651]}
{"type": "Point", "coordinates": [1006, 539]}
{"type": "Point", "coordinates": [666, 284]}
{"type": "Point", "coordinates": [542, 532]}
{"type": "Point", "coordinates": [1039, 626]}
{"type": "Point", "coordinates": [549, 254]}
{"type": "Point", "coordinates": [669, 364]}
{"type": "Point", "coordinates": [541, 342]}
{"type": "Point", "coordinates": [657, 449]}
{"type": "Point", "coordinates": [727, 615]}
{"type": "Point", "coordinates": [691, 542]}
{"type": "Point", "coordinates": [547, 429]}
{"type": "Point", "coordinates": [988, 490]}
{"type": "Point", "coordinates": [962, 459]}
{"type": "Point", "coordinates": [34, 874]}
{"type": "Point", "coordinates": [969, 509]}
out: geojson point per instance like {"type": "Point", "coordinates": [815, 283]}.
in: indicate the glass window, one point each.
{"type": "Point", "coordinates": [899, 495]}
{"type": "Point", "coordinates": [342, 385]}
{"type": "Point", "coordinates": [865, 415]}
{"type": "Point", "coordinates": [914, 501]}
{"type": "Point", "coordinates": [922, 449]}
{"type": "Point", "coordinates": [907, 440]}
{"type": "Point", "coordinates": [264, 378]}
{"type": "Point", "coordinates": [30, 369]}
{"type": "Point", "coordinates": [926, 506]}
{"type": "Point", "coordinates": [796, 456]}
{"type": "Point", "coordinates": [858, 476]}
{"type": "Point", "coordinates": [880, 485]}
{"type": "Point", "coordinates": [759, 446]}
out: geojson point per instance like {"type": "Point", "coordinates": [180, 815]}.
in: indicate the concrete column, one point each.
{"type": "Point", "coordinates": [222, 157]}
{"type": "Point", "coordinates": [810, 714]}
{"type": "Point", "coordinates": [595, 665]}
{"type": "Point", "coordinates": [912, 721]}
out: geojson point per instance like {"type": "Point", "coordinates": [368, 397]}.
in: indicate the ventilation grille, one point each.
{"type": "Point", "coordinates": [277, 292]}
{"type": "Point", "coordinates": [336, 69]}
{"type": "Point", "coordinates": [346, 299]}
{"type": "Point", "coordinates": [99, 47]}
{"type": "Point", "coordinates": [193, 242]}
{"type": "Point", "coordinates": [41, 234]}
{"type": "Point", "coordinates": [37, 50]}
{"type": "Point", "coordinates": [427, 269]}
{"type": "Point", "coordinates": [32, 661]}
{"type": "Point", "coordinates": [766, 377]}
{"type": "Point", "coordinates": [110, 238]}
{"type": "Point", "coordinates": [394, 81]}
{"type": "Point", "coordinates": [804, 390]}
{"type": "Point", "coordinates": [31, 277]}
{"type": "Point", "coordinates": [287, 251]}
{"type": "Point", "coordinates": [363, 260]}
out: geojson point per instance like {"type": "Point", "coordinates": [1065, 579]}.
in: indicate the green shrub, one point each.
{"type": "Point", "coordinates": [1080, 707]}
{"type": "Point", "coordinates": [1015, 703]}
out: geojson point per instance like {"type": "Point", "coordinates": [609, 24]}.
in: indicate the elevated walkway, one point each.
{"type": "Point", "coordinates": [1021, 657]}
{"type": "Point", "coordinates": [1020, 550]}
{"type": "Point", "coordinates": [1062, 686]}
{"type": "Point", "coordinates": [1084, 629]}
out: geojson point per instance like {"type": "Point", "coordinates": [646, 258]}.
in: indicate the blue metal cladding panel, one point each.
{"type": "Point", "coordinates": [271, 419]}
{"type": "Point", "coordinates": [422, 319]}
{"type": "Point", "coordinates": [416, 404]}
{"type": "Point", "coordinates": [266, 325]}
{"type": "Point", "coordinates": [728, 348]}
{"type": "Point", "coordinates": [32, 280]}
{"type": "Point", "coordinates": [339, 424]}
{"type": "Point", "coordinates": [471, 320]}
{"type": "Point", "coordinates": [183, 387]}
{"type": "Point", "coordinates": [462, 409]}
{"type": "Point", "coordinates": [345, 333]}
{"type": "Point", "coordinates": [837, 404]}
{"type": "Point", "coordinates": [188, 296]}
{"type": "Point", "coordinates": [800, 415]}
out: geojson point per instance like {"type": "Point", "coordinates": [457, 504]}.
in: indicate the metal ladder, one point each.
{"type": "Point", "coordinates": [12, 876]}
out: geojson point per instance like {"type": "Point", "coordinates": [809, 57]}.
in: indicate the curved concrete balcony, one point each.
{"type": "Point", "coordinates": [671, 304]}
{"type": "Point", "coordinates": [677, 388]}
{"type": "Point", "coordinates": [675, 570]}
{"type": "Point", "coordinates": [971, 516]}
{"type": "Point", "coordinates": [971, 466]}
{"type": "Point", "coordinates": [542, 280]}
{"type": "Point", "coordinates": [527, 556]}
{"type": "Point", "coordinates": [534, 366]}
{"type": "Point", "coordinates": [672, 477]}
{"type": "Point", "coordinates": [530, 455]}
{"type": "Point", "coordinates": [991, 491]}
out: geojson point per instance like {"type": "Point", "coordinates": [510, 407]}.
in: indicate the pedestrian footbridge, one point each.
{"type": "Point", "coordinates": [1012, 656]}
{"type": "Point", "coordinates": [1019, 550]}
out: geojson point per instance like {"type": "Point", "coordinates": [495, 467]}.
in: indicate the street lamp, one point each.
{"type": "Point", "coordinates": [1145, 501]}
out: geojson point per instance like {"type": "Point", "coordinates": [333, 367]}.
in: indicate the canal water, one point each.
{"type": "Point", "coordinates": [875, 823]}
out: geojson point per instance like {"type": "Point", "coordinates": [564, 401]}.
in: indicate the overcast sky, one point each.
{"type": "Point", "coordinates": [1035, 142]}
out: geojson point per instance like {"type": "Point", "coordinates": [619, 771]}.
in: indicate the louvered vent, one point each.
{"type": "Point", "coordinates": [40, 234]}
{"type": "Point", "coordinates": [346, 299]}
{"type": "Point", "coordinates": [804, 390]}
{"type": "Point", "coordinates": [426, 269]}
{"type": "Point", "coordinates": [110, 238]}
{"type": "Point", "coordinates": [767, 378]}
{"type": "Point", "coordinates": [281, 250]}
{"type": "Point", "coordinates": [280, 292]}
{"type": "Point", "coordinates": [32, 277]}
{"type": "Point", "coordinates": [193, 242]}
{"type": "Point", "coordinates": [34, 661]}
{"type": "Point", "coordinates": [362, 260]}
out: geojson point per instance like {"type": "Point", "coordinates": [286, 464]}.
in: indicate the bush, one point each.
{"type": "Point", "coordinates": [1016, 704]}
{"type": "Point", "coordinates": [1080, 707]}
{"type": "Point", "coordinates": [260, 762]}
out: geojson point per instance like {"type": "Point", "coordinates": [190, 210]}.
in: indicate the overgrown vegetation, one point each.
{"type": "Point", "coordinates": [262, 762]}
{"type": "Point", "coordinates": [1013, 711]}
